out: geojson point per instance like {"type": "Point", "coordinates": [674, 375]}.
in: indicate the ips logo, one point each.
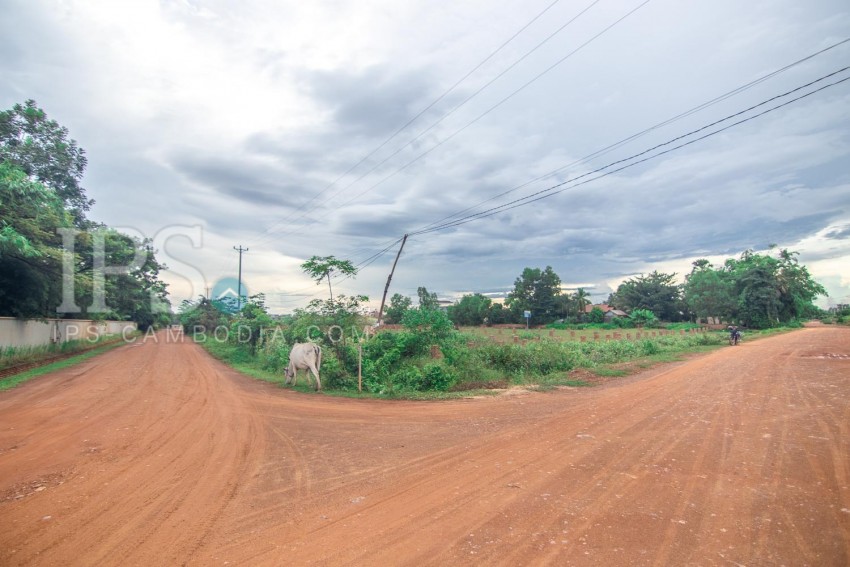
{"type": "Point", "coordinates": [229, 294]}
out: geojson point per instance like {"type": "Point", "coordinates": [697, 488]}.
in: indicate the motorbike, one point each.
{"type": "Point", "coordinates": [734, 337]}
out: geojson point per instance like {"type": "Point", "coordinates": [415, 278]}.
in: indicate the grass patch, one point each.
{"type": "Point", "coordinates": [16, 379]}
{"type": "Point", "coordinates": [11, 356]}
{"type": "Point", "coordinates": [609, 372]}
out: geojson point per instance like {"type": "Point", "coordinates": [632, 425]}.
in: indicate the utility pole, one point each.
{"type": "Point", "coordinates": [239, 284]}
{"type": "Point", "coordinates": [387, 287]}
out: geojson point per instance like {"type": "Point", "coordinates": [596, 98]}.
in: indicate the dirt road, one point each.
{"type": "Point", "coordinates": [155, 454]}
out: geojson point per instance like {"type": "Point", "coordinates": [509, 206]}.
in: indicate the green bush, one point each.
{"type": "Point", "coordinates": [426, 327]}
{"type": "Point", "coordinates": [408, 377]}
{"type": "Point", "coordinates": [644, 318]}
{"type": "Point", "coordinates": [437, 377]}
{"type": "Point", "coordinates": [649, 348]}
{"type": "Point", "coordinates": [333, 374]}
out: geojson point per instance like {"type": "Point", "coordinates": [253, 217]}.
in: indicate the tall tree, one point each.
{"type": "Point", "coordinates": [757, 289]}
{"type": "Point", "coordinates": [657, 292]}
{"type": "Point", "coordinates": [581, 299]}
{"type": "Point", "coordinates": [137, 294]}
{"type": "Point", "coordinates": [398, 305]}
{"type": "Point", "coordinates": [427, 301]}
{"type": "Point", "coordinates": [470, 310]}
{"type": "Point", "coordinates": [709, 292]}
{"type": "Point", "coordinates": [43, 203]}
{"type": "Point", "coordinates": [42, 149]}
{"type": "Point", "coordinates": [537, 291]}
{"type": "Point", "coordinates": [770, 291]}
{"type": "Point", "coordinates": [30, 254]}
{"type": "Point", "coordinates": [321, 267]}
{"type": "Point", "coordinates": [797, 289]}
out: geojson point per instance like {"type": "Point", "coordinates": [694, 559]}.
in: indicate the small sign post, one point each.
{"type": "Point", "coordinates": [527, 315]}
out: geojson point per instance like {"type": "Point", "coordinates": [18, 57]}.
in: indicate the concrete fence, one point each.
{"type": "Point", "coordinates": [37, 332]}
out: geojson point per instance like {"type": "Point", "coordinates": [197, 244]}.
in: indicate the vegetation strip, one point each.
{"type": "Point", "coordinates": [18, 359]}
{"type": "Point", "coordinates": [428, 355]}
{"type": "Point", "coordinates": [9, 379]}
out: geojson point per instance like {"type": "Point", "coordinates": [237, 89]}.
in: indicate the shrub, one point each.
{"type": "Point", "coordinates": [649, 347]}
{"type": "Point", "coordinates": [335, 375]}
{"type": "Point", "coordinates": [408, 377]}
{"type": "Point", "coordinates": [426, 327]}
{"type": "Point", "coordinates": [596, 315]}
{"type": "Point", "coordinates": [534, 359]}
{"type": "Point", "coordinates": [644, 318]}
{"type": "Point", "coordinates": [435, 376]}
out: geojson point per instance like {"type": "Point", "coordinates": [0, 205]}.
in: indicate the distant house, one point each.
{"type": "Point", "coordinates": [610, 312]}
{"type": "Point", "coordinates": [615, 314]}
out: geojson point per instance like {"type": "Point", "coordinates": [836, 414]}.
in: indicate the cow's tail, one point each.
{"type": "Point", "coordinates": [318, 350]}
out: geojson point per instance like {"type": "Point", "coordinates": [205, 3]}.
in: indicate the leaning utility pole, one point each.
{"type": "Point", "coordinates": [239, 282]}
{"type": "Point", "coordinates": [387, 287]}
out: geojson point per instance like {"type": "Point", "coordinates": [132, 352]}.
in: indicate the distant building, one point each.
{"type": "Point", "coordinates": [607, 310]}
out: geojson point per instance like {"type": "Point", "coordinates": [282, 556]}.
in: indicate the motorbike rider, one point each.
{"type": "Point", "coordinates": [734, 334]}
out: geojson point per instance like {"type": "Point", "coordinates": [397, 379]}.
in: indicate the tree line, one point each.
{"type": "Point", "coordinates": [755, 290]}
{"type": "Point", "coordinates": [51, 254]}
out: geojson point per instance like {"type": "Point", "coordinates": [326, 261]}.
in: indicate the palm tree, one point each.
{"type": "Point", "coordinates": [580, 298]}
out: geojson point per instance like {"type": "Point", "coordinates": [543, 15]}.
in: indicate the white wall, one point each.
{"type": "Point", "coordinates": [35, 332]}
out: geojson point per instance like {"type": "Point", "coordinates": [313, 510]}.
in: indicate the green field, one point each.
{"type": "Point", "coordinates": [517, 336]}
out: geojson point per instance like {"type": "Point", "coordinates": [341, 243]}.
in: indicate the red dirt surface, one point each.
{"type": "Point", "coordinates": [156, 454]}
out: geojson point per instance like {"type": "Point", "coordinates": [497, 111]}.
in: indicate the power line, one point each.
{"type": "Point", "coordinates": [611, 147]}
{"type": "Point", "coordinates": [551, 191]}
{"type": "Point", "coordinates": [467, 99]}
{"type": "Point", "coordinates": [498, 104]}
{"type": "Point", "coordinates": [561, 187]}
{"type": "Point", "coordinates": [543, 194]}
{"type": "Point", "coordinates": [513, 204]}
{"type": "Point", "coordinates": [426, 109]}
{"type": "Point", "coordinates": [624, 141]}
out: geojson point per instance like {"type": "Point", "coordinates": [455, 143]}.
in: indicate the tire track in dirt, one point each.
{"type": "Point", "coordinates": [821, 422]}
{"type": "Point", "coordinates": [147, 483]}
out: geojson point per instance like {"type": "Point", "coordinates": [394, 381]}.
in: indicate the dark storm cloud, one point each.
{"type": "Point", "coordinates": [372, 223]}
{"type": "Point", "coordinates": [311, 152]}
{"type": "Point", "coordinates": [242, 180]}
{"type": "Point", "coordinates": [373, 102]}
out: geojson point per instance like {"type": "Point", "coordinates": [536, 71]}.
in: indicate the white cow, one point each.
{"type": "Point", "coordinates": [304, 356]}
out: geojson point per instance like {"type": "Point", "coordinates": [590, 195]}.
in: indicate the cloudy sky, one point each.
{"type": "Point", "coordinates": [333, 128]}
